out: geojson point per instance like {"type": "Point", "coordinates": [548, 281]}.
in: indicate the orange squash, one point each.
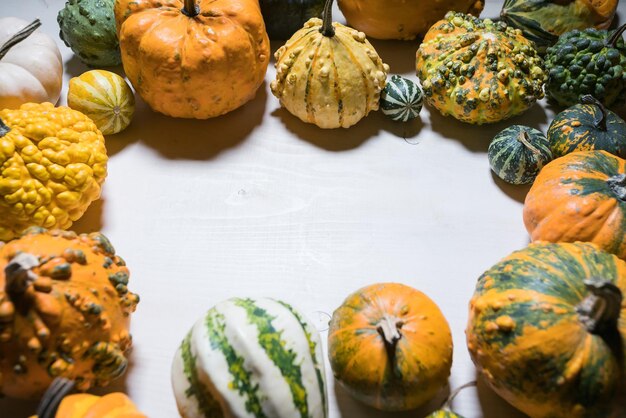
{"type": "Point", "coordinates": [193, 60]}
{"type": "Point", "coordinates": [390, 346]}
{"type": "Point", "coordinates": [402, 19]}
{"type": "Point", "coordinates": [113, 405]}
{"type": "Point", "coordinates": [580, 197]}
{"type": "Point", "coordinates": [64, 312]}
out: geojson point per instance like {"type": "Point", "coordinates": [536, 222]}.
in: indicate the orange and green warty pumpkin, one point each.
{"type": "Point", "coordinates": [192, 59]}
{"type": "Point", "coordinates": [477, 70]}
{"type": "Point", "coordinates": [64, 312]}
{"type": "Point", "coordinates": [390, 346]}
{"type": "Point", "coordinates": [329, 74]}
{"type": "Point", "coordinates": [580, 197]}
{"type": "Point", "coordinates": [547, 327]}
{"type": "Point", "coordinates": [401, 19]}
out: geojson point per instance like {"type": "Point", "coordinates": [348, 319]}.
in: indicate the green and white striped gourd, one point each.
{"type": "Point", "coordinates": [518, 153]}
{"type": "Point", "coordinates": [250, 358]}
{"type": "Point", "coordinates": [401, 100]}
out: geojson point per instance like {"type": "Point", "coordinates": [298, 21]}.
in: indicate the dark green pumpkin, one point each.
{"type": "Point", "coordinates": [284, 17]}
{"type": "Point", "coordinates": [546, 330]}
{"type": "Point", "coordinates": [88, 28]}
{"type": "Point", "coordinates": [587, 62]}
{"type": "Point", "coordinates": [587, 127]}
{"type": "Point", "coordinates": [401, 100]}
{"type": "Point", "coordinates": [518, 153]}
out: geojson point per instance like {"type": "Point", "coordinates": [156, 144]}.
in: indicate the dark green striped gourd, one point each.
{"type": "Point", "coordinates": [250, 358]}
{"type": "Point", "coordinates": [401, 100]}
{"type": "Point", "coordinates": [518, 153]}
{"type": "Point", "coordinates": [546, 330]}
{"type": "Point", "coordinates": [586, 127]}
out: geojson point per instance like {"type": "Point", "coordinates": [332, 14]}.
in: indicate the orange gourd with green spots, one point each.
{"type": "Point", "coordinates": [580, 197]}
{"type": "Point", "coordinates": [390, 346]}
{"type": "Point", "coordinates": [546, 330]}
{"type": "Point", "coordinates": [64, 312]}
{"type": "Point", "coordinates": [477, 70]}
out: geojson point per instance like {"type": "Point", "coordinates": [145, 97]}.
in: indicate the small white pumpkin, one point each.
{"type": "Point", "coordinates": [31, 67]}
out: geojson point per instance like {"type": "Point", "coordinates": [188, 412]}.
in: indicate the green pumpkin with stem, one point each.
{"type": "Point", "coordinates": [518, 153]}
{"type": "Point", "coordinates": [586, 127]}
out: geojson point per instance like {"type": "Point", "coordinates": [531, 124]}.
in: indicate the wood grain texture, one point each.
{"type": "Point", "coordinates": [257, 203]}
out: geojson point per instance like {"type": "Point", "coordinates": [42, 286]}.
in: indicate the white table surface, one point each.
{"type": "Point", "coordinates": [257, 203]}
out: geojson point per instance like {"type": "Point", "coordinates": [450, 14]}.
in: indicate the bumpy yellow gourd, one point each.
{"type": "Point", "coordinates": [329, 74]}
{"type": "Point", "coordinates": [52, 164]}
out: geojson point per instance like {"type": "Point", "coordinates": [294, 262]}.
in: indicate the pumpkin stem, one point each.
{"type": "Point", "coordinates": [190, 8]}
{"type": "Point", "coordinates": [617, 184]}
{"type": "Point", "coordinates": [327, 18]}
{"type": "Point", "coordinates": [589, 99]}
{"type": "Point", "coordinates": [58, 389]}
{"type": "Point", "coordinates": [389, 329]}
{"type": "Point", "coordinates": [18, 274]}
{"type": "Point", "coordinates": [525, 139]}
{"type": "Point", "coordinates": [19, 37]}
{"type": "Point", "coordinates": [447, 405]}
{"type": "Point", "coordinates": [4, 129]}
{"type": "Point", "coordinates": [600, 310]}
{"type": "Point", "coordinates": [612, 41]}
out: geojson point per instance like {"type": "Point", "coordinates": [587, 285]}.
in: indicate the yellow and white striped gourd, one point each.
{"type": "Point", "coordinates": [329, 74]}
{"type": "Point", "coordinates": [105, 97]}
{"type": "Point", "coordinates": [250, 358]}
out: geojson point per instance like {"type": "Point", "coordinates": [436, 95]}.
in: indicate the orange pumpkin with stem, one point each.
{"type": "Point", "coordinates": [191, 59]}
{"type": "Point", "coordinates": [390, 346]}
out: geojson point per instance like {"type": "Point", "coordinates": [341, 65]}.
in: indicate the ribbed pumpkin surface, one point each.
{"type": "Point", "coordinates": [250, 358]}
{"type": "Point", "coordinates": [331, 81]}
{"type": "Point", "coordinates": [104, 97]}
{"type": "Point", "coordinates": [527, 338]}
{"type": "Point", "coordinates": [580, 197]}
{"type": "Point", "coordinates": [390, 375]}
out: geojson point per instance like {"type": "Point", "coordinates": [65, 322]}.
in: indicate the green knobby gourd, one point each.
{"type": "Point", "coordinates": [587, 62]}
{"type": "Point", "coordinates": [88, 28]}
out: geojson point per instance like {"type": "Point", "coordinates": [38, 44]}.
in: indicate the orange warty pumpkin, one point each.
{"type": "Point", "coordinates": [390, 346]}
{"type": "Point", "coordinates": [64, 311]}
{"type": "Point", "coordinates": [191, 60]}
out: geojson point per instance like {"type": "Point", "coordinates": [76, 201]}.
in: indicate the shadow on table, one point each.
{"type": "Point", "coordinates": [330, 139]}
{"type": "Point", "coordinates": [191, 139]}
{"type": "Point", "coordinates": [476, 138]}
{"type": "Point", "coordinates": [92, 220]}
{"type": "Point", "coordinates": [399, 55]}
{"type": "Point", "coordinates": [75, 67]}
{"type": "Point", "coordinates": [494, 406]}
{"type": "Point", "coordinates": [515, 192]}
{"type": "Point", "coordinates": [350, 407]}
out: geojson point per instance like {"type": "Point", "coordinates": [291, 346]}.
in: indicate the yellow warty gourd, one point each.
{"type": "Point", "coordinates": [329, 74]}
{"type": "Point", "coordinates": [52, 164]}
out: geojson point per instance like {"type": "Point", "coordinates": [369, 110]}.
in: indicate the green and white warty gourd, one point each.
{"type": "Point", "coordinates": [249, 358]}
